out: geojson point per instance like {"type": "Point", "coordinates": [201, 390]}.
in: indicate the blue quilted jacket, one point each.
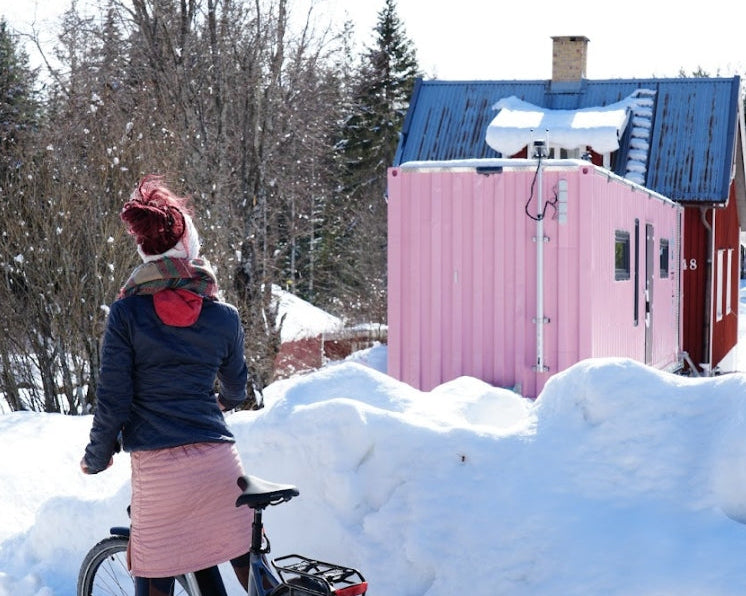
{"type": "Point", "coordinates": [157, 382]}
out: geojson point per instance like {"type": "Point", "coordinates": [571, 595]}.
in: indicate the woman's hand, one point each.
{"type": "Point", "coordinates": [84, 466]}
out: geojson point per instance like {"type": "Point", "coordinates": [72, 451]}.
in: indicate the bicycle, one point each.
{"type": "Point", "coordinates": [104, 568]}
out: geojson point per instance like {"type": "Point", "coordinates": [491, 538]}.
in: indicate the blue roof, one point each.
{"type": "Point", "coordinates": [692, 139]}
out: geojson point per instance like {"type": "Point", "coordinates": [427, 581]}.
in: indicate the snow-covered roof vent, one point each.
{"type": "Point", "coordinates": [642, 121]}
{"type": "Point", "coordinates": [519, 123]}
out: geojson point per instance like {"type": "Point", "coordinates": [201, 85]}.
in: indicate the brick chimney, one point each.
{"type": "Point", "coordinates": [569, 57]}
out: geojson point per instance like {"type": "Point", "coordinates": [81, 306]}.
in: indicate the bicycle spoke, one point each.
{"type": "Point", "coordinates": [112, 577]}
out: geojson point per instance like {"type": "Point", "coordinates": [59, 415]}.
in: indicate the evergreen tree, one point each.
{"type": "Point", "coordinates": [19, 107]}
{"type": "Point", "coordinates": [381, 97]}
{"type": "Point", "coordinates": [19, 116]}
{"type": "Point", "coordinates": [380, 91]}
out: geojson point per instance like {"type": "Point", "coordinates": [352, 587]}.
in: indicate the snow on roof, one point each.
{"type": "Point", "coordinates": [518, 123]}
{"type": "Point", "coordinates": [302, 319]}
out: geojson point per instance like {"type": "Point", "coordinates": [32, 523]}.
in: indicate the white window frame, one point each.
{"type": "Point", "coordinates": [729, 283]}
{"type": "Point", "coordinates": [719, 288]}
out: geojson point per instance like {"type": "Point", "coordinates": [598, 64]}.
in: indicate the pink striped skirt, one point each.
{"type": "Point", "coordinates": [184, 514]}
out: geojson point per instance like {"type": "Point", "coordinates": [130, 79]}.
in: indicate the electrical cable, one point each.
{"type": "Point", "coordinates": [542, 215]}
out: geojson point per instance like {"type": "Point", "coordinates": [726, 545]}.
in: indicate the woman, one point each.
{"type": "Point", "coordinates": [167, 339]}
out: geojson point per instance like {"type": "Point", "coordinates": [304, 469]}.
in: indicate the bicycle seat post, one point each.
{"type": "Point", "coordinates": [260, 494]}
{"type": "Point", "coordinates": [257, 531]}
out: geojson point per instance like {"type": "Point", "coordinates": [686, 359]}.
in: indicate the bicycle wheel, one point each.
{"type": "Point", "coordinates": [104, 571]}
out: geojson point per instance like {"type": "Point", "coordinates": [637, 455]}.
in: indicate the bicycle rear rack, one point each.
{"type": "Point", "coordinates": [309, 577]}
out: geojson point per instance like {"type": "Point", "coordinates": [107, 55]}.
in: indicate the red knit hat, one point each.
{"type": "Point", "coordinates": [159, 221]}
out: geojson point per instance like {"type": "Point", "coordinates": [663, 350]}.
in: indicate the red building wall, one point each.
{"type": "Point", "coordinates": [725, 326]}
{"type": "Point", "coordinates": [710, 328]}
{"type": "Point", "coordinates": [311, 353]}
{"type": "Point", "coordinates": [695, 288]}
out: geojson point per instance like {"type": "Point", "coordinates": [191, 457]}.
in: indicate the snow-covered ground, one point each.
{"type": "Point", "coordinates": [617, 480]}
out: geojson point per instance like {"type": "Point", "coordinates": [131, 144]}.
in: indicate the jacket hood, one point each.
{"type": "Point", "coordinates": [177, 308]}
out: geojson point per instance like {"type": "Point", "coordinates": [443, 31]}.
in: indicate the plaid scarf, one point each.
{"type": "Point", "coordinates": [195, 275]}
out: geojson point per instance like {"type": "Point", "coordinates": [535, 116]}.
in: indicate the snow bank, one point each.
{"type": "Point", "coordinates": [619, 479]}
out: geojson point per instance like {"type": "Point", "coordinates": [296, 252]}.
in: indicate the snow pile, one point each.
{"type": "Point", "coordinates": [619, 479]}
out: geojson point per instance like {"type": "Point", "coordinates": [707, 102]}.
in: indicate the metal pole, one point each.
{"type": "Point", "coordinates": [540, 271]}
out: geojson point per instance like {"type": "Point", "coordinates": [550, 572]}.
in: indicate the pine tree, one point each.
{"type": "Point", "coordinates": [19, 107]}
{"type": "Point", "coordinates": [381, 97]}
{"type": "Point", "coordinates": [19, 116]}
{"type": "Point", "coordinates": [380, 93]}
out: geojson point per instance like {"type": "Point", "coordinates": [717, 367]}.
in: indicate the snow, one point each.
{"type": "Point", "coordinates": [619, 479]}
{"type": "Point", "coordinates": [518, 123]}
{"type": "Point", "coordinates": [300, 319]}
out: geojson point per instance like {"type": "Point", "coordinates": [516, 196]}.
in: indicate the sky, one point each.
{"type": "Point", "coordinates": [618, 479]}
{"type": "Point", "coordinates": [482, 39]}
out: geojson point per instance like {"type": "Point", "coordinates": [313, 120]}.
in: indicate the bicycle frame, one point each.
{"type": "Point", "coordinates": [260, 575]}
{"type": "Point", "coordinates": [192, 584]}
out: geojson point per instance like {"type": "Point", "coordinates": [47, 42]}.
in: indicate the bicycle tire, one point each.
{"type": "Point", "coordinates": [104, 571]}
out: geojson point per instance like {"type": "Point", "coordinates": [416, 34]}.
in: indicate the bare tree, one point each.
{"type": "Point", "coordinates": [218, 94]}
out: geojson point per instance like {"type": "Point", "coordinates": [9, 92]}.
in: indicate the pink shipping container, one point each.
{"type": "Point", "coordinates": [471, 293]}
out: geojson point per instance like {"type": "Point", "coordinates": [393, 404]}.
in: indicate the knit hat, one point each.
{"type": "Point", "coordinates": [160, 222]}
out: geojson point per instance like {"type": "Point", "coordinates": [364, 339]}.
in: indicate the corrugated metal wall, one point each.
{"type": "Point", "coordinates": [462, 276]}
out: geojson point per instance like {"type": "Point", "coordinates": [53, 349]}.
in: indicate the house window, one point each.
{"type": "Point", "coordinates": [621, 255]}
{"type": "Point", "coordinates": [562, 153]}
{"type": "Point", "coordinates": [728, 283]}
{"type": "Point", "coordinates": [663, 254]}
{"type": "Point", "coordinates": [719, 290]}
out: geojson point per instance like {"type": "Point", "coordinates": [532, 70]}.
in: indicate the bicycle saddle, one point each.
{"type": "Point", "coordinates": [258, 493]}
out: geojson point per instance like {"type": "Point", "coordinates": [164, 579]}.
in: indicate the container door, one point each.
{"type": "Point", "coordinates": [649, 277]}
